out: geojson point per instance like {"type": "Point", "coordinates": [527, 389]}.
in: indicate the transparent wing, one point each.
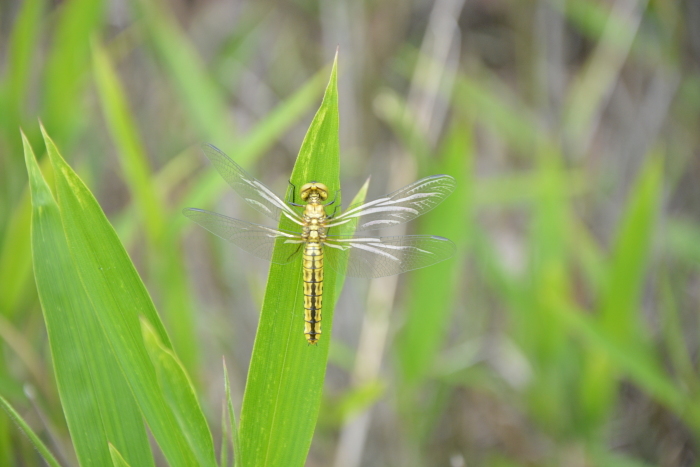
{"type": "Point", "coordinates": [400, 206]}
{"type": "Point", "coordinates": [385, 256]}
{"type": "Point", "coordinates": [254, 192]}
{"type": "Point", "coordinates": [253, 238]}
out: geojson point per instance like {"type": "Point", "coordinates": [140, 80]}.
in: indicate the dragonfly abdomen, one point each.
{"type": "Point", "coordinates": [313, 290]}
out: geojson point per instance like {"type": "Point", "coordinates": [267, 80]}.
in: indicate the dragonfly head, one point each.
{"type": "Point", "coordinates": [314, 189]}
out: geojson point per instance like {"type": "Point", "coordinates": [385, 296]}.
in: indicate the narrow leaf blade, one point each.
{"type": "Point", "coordinates": [33, 437]}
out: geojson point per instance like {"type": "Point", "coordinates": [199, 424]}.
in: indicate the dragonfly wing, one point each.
{"type": "Point", "coordinates": [254, 192]}
{"type": "Point", "coordinates": [400, 206]}
{"type": "Point", "coordinates": [253, 238]}
{"type": "Point", "coordinates": [385, 256]}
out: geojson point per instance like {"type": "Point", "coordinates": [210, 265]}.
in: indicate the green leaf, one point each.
{"type": "Point", "coordinates": [15, 262]}
{"type": "Point", "coordinates": [180, 394]}
{"type": "Point", "coordinates": [235, 438]}
{"type": "Point", "coordinates": [117, 459]}
{"type": "Point", "coordinates": [96, 399]}
{"type": "Point", "coordinates": [498, 108]}
{"type": "Point", "coordinates": [21, 47]}
{"type": "Point", "coordinates": [632, 359]}
{"type": "Point", "coordinates": [164, 256]}
{"type": "Point", "coordinates": [202, 99]}
{"type": "Point", "coordinates": [618, 308]}
{"type": "Point", "coordinates": [36, 441]}
{"type": "Point", "coordinates": [589, 93]}
{"type": "Point", "coordinates": [223, 449]}
{"type": "Point", "coordinates": [68, 64]}
{"type": "Point", "coordinates": [618, 316]}
{"type": "Point", "coordinates": [285, 381]}
{"type": "Point", "coordinates": [432, 289]}
{"type": "Point", "coordinates": [679, 355]}
{"type": "Point", "coordinates": [359, 399]}
{"type": "Point", "coordinates": [121, 301]}
{"type": "Point", "coordinates": [132, 154]}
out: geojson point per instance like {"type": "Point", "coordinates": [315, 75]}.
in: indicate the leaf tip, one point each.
{"type": "Point", "coordinates": [54, 156]}
{"type": "Point", "coordinates": [25, 142]}
{"type": "Point", "coordinates": [29, 157]}
{"type": "Point", "coordinates": [43, 129]}
{"type": "Point", "coordinates": [361, 193]}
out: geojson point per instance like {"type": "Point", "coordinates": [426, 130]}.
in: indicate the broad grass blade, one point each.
{"type": "Point", "coordinates": [285, 380]}
{"type": "Point", "coordinates": [95, 397]}
{"type": "Point", "coordinates": [121, 301]}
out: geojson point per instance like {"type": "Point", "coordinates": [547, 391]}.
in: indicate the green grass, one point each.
{"type": "Point", "coordinates": [108, 290]}
{"type": "Point", "coordinates": [567, 320]}
{"type": "Point", "coordinates": [86, 371]}
{"type": "Point", "coordinates": [138, 373]}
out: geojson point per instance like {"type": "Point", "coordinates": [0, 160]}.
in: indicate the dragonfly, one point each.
{"type": "Point", "coordinates": [321, 239]}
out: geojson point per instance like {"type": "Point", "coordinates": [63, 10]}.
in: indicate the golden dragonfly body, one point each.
{"type": "Point", "coordinates": [319, 237]}
{"type": "Point", "coordinates": [313, 234]}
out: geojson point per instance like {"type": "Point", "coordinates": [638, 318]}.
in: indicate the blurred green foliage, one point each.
{"type": "Point", "coordinates": [564, 332]}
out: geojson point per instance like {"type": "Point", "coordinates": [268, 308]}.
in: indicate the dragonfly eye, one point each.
{"type": "Point", "coordinates": [314, 187]}
{"type": "Point", "coordinates": [322, 190]}
{"type": "Point", "coordinates": [306, 191]}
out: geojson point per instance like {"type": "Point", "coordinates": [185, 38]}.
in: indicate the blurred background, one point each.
{"type": "Point", "coordinates": [565, 331]}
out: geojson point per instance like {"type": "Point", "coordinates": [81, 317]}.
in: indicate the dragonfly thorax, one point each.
{"type": "Point", "coordinates": [314, 218]}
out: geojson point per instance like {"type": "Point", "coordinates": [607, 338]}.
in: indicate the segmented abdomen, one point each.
{"type": "Point", "coordinates": [313, 290]}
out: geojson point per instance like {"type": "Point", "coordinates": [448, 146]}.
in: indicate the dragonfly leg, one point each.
{"type": "Point", "coordinates": [334, 199]}
{"type": "Point", "coordinates": [289, 258]}
{"type": "Point", "coordinates": [336, 207]}
{"type": "Point", "coordinates": [292, 201]}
